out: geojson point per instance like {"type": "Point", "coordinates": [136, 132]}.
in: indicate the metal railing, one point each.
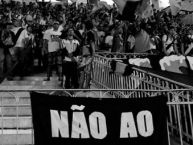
{"type": "Point", "coordinates": [104, 78]}
{"type": "Point", "coordinates": [15, 107]}
{"type": "Point", "coordinates": [180, 99]}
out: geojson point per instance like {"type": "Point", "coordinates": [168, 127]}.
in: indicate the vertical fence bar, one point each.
{"type": "Point", "coordinates": [169, 141]}
{"type": "Point", "coordinates": [185, 118]}
{"type": "Point", "coordinates": [17, 117]}
{"type": "Point", "coordinates": [1, 109]}
{"type": "Point", "coordinates": [190, 114]}
{"type": "Point", "coordinates": [179, 124]}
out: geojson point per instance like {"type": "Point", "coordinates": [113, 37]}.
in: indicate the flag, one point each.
{"type": "Point", "coordinates": [148, 12]}
{"type": "Point", "coordinates": [81, 1]}
{"type": "Point", "coordinates": [73, 1]}
{"type": "Point", "coordinates": [104, 4]}
{"type": "Point", "coordinates": [100, 5]}
{"type": "Point", "coordinates": [175, 6]}
{"type": "Point", "coordinates": [59, 120]}
{"type": "Point", "coordinates": [187, 5]}
{"type": "Point", "coordinates": [181, 5]}
{"type": "Point", "coordinates": [188, 19]}
{"type": "Point", "coordinates": [129, 9]}
{"type": "Point", "coordinates": [145, 10]}
{"type": "Point", "coordinates": [155, 4]}
{"type": "Point", "coordinates": [94, 2]}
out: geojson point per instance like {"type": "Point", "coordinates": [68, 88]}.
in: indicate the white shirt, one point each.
{"type": "Point", "coordinates": [109, 40]}
{"type": "Point", "coordinates": [15, 30]}
{"type": "Point", "coordinates": [70, 46]}
{"type": "Point", "coordinates": [52, 45]}
{"type": "Point", "coordinates": [131, 40]}
{"type": "Point", "coordinates": [22, 38]}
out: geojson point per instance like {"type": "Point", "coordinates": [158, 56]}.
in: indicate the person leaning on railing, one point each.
{"type": "Point", "coordinates": [187, 45]}
{"type": "Point", "coordinates": [169, 41]}
{"type": "Point", "coordinates": [88, 51]}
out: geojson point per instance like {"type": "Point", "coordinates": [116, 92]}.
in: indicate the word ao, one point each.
{"type": "Point", "coordinates": [96, 126]}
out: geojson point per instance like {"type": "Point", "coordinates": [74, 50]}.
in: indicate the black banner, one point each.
{"type": "Point", "coordinates": [60, 120]}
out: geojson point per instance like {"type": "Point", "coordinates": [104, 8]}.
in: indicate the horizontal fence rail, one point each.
{"type": "Point", "coordinates": [116, 55]}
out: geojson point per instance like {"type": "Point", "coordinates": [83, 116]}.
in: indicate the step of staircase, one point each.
{"type": "Point", "coordinates": [16, 122]}
{"type": "Point", "coordinates": [15, 111]}
{"type": "Point", "coordinates": [15, 100]}
{"type": "Point", "coordinates": [15, 108]}
{"type": "Point", "coordinates": [16, 137]}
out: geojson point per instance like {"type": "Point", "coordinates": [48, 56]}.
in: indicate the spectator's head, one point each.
{"type": "Point", "coordinates": [70, 23]}
{"type": "Point", "coordinates": [89, 25]}
{"type": "Point", "coordinates": [16, 22]}
{"type": "Point", "coordinates": [137, 27]}
{"type": "Point", "coordinates": [172, 30]}
{"type": "Point", "coordinates": [55, 25]}
{"type": "Point", "coordinates": [29, 20]}
{"type": "Point", "coordinates": [29, 29]}
{"type": "Point", "coordinates": [70, 32]}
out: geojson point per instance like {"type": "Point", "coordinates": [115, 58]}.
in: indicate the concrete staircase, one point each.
{"type": "Point", "coordinates": [15, 109]}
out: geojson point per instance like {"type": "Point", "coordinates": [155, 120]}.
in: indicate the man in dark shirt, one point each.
{"type": "Point", "coordinates": [7, 41]}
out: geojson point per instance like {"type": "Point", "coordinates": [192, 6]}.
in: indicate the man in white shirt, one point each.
{"type": "Point", "coordinates": [27, 45]}
{"type": "Point", "coordinates": [70, 53]}
{"type": "Point", "coordinates": [23, 37]}
{"type": "Point", "coordinates": [51, 38]}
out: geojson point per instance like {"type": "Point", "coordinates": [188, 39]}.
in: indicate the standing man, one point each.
{"type": "Point", "coordinates": [2, 56]}
{"type": "Point", "coordinates": [27, 60]}
{"type": "Point", "coordinates": [22, 50]}
{"type": "Point", "coordinates": [12, 57]}
{"type": "Point", "coordinates": [7, 41]}
{"type": "Point", "coordinates": [52, 46]}
{"type": "Point", "coordinates": [70, 48]}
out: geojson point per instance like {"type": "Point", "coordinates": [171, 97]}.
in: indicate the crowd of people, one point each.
{"type": "Point", "coordinates": [65, 38]}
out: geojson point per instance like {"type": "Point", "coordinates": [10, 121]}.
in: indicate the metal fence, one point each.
{"type": "Point", "coordinates": [139, 83]}
{"type": "Point", "coordinates": [15, 108]}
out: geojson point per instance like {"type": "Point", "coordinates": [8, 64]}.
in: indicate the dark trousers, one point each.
{"type": "Point", "coordinates": [86, 74]}
{"type": "Point", "coordinates": [71, 73]}
{"type": "Point", "coordinates": [85, 77]}
{"type": "Point", "coordinates": [38, 56]}
{"type": "Point", "coordinates": [54, 62]}
{"type": "Point", "coordinates": [25, 65]}
{"type": "Point", "coordinates": [13, 62]}
{"type": "Point", "coordinates": [9, 64]}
